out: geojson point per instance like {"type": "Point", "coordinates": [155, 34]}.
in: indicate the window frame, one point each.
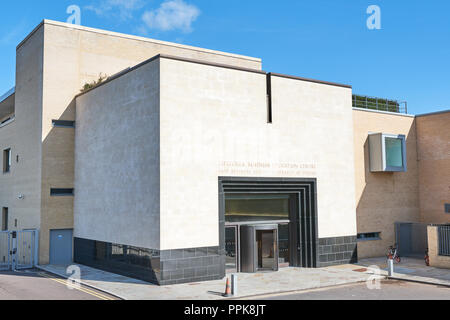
{"type": "Point", "coordinates": [447, 208]}
{"type": "Point", "coordinates": [62, 194]}
{"type": "Point", "coordinates": [5, 218]}
{"type": "Point", "coordinates": [7, 160]}
{"type": "Point", "coordinates": [387, 168]}
{"type": "Point", "coordinates": [7, 121]}
{"type": "Point", "coordinates": [253, 197]}
{"type": "Point", "coordinates": [378, 156]}
{"type": "Point", "coordinates": [375, 238]}
{"type": "Point", "coordinates": [63, 124]}
{"type": "Point", "coordinates": [237, 249]}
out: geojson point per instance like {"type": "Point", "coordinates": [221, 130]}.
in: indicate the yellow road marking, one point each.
{"type": "Point", "coordinates": [85, 290]}
{"type": "Point", "coordinates": [80, 289]}
{"type": "Point", "coordinates": [92, 293]}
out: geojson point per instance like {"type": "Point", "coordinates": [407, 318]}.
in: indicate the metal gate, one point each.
{"type": "Point", "coordinates": [444, 240]}
{"type": "Point", "coordinates": [5, 249]}
{"type": "Point", "coordinates": [18, 249]}
{"type": "Point", "coordinates": [411, 238]}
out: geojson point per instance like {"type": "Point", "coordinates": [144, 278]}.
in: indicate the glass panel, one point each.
{"type": "Point", "coordinates": [230, 248]}
{"type": "Point", "coordinates": [61, 192]}
{"type": "Point", "coordinates": [6, 160]}
{"type": "Point", "coordinates": [262, 207]}
{"type": "Point", "coordinates": [63, 123]}
{"type": "Point", "coordinates": [4, 219]}
{"type": "Point", "coordinates": [283, 244]}
{"type": "Point", "coordinates": [394, 152]}
{"type": "Point", "coordinates": [370, 235]}
{"type": "Point", "coordinates": [266, 249]}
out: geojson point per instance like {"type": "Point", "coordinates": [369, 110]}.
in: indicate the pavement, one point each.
{"type": "Point", "coordinates": [411, 269]}
{"type": "Point", "coordinates": [285, 280]}
{"type": "Point", "coordinates": [255, 285]}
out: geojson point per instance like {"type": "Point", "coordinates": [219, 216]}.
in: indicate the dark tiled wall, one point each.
{"type": "Point", "coordinates": [139, 263]}
{"type": "Point", "coordinates": [191, 265]}
{"type": "Point", "coordinates": [337, 250]}
{"type": "Point", "coordinates": [159, 267]}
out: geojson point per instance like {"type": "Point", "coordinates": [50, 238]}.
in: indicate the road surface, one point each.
{"type": "Point", "coordinates": [39, 285]}
{"type": "Point", "coordinates": [389, 290]}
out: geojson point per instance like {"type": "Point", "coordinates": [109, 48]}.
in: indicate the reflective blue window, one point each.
{"type": "Point", "coordinates": [394, 152]}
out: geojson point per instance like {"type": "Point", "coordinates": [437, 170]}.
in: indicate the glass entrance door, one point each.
{"type": "Point", "coordinates": [266, 249]}
{"type": "Point", "coordinates": [231, 249]}
{"type": "Point", "coordinates": [258, 248]}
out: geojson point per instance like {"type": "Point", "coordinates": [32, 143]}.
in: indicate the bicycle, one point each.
{"type": "Point", "coordinates": [393, 254]}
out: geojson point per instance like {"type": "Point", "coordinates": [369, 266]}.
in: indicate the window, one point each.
{"type": "Point", "coordinates": [387, 152]}
{"type": "Point", "coordinates": [63, 123]}
{"type": "Point", "coordinates": [231, 252]}
{"type": "Point", "coordinates": [6, 160]}
{"type": "Point", "coordinates": [6, 120]}
{"type": "Point", "coordinates": [256, 207]}
{"type": "Point", "coordinates": [369, 236]}
{"type": "Point", "coordinates": [394, 152]}
{"type": "Point", "coordinates": [61, 192]}
{"type": "Point", "coordinates": [269, 99]}
{"type": "Point", "coordinates": [4, 219]}
{"type": "Point", "coordinates": [284, 254]}
{"type": "Point", "coordinates": [447, 208]}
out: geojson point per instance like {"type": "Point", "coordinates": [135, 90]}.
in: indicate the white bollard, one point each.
{"type": "Point", "coordinates": [234, 286]}
{"type": "Point", "coordinates": [390, 267]}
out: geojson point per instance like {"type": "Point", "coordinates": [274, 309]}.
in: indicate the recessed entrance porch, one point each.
{"type": "Point", "coordinates": [268, 224]}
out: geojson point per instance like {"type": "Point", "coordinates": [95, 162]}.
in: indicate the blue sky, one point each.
{"type": "Point", "coordinates": [407, 59]}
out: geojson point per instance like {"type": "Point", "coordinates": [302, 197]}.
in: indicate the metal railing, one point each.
{"type": "Point", "coordinates": [444, 240]}
{"type": "Point", "coordinates": [18, 249]}
{"type": "Point", "coordinates": [379, 104]}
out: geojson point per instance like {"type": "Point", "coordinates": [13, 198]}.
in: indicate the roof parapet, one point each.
{"type": "Point", "coordinates": [138, 38]}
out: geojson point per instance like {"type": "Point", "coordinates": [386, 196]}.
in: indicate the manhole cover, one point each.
{"type": "Point", "coordinates": [360, 270]}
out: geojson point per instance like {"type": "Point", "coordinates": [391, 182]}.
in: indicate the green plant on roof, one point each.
{"type": "Point", "coordinates": [90, 85]}
{"type": "Point", "coordinates": [375, 103]}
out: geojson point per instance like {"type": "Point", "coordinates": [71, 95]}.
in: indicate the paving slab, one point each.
{"type": "Point", "coordinates": [285, 280]}
{"type": "Point", "coordinates": [411, 269]}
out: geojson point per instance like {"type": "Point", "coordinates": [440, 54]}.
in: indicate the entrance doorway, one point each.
{"type": "Point", "coordinates": [411, 239]}
{"type": "Point", "coordinates": [61, 247]}
{"type": "Point", "coordinates": [259, 248]}
{"type": "Point", "coordinates": [267, 250]}
{"type": "Point", "coordinates": [268, 223]}
{"type": "Point", "coordinates": [269, 243]}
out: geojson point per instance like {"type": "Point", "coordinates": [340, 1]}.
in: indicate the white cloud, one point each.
{"type": "Point", "coordinates": [172, 15]}
{"type": "Point", "coordinates": [125, 8]}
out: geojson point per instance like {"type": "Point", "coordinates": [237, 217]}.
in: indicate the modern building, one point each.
{"type": "Point", "coordinates": [186, 163]}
